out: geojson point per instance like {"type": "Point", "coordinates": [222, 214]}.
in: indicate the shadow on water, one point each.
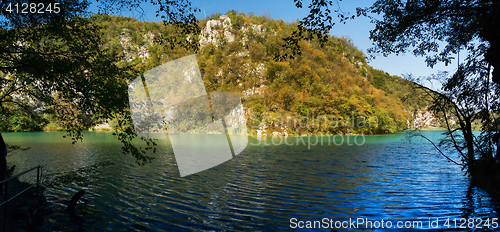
{"type": "Point", "coordinates": [474, 205]}
{"type": "Point", "coordinates": [80, 175]}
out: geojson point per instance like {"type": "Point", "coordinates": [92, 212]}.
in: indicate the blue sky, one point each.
{"type": "Point", "coordinates": [357, 30]}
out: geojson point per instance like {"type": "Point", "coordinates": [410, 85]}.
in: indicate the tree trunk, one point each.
{"type": "Point", "coordinates": [470, 146]}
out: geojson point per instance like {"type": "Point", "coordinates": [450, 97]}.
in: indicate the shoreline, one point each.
{"type": "Point", "coordinates": [250, 134]}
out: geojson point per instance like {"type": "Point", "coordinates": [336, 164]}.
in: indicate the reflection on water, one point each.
{"type": "Point", "coordinates": [260, 189]}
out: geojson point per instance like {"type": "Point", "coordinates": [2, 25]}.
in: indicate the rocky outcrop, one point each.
{"type": "Point", "coordinates": [215, 30]}
{"type": "Point", "coordinates": [425, 119]}
{"type": "Point", "coordinates": [257, 29]}
{"type": "Point", "coordinates": [131, 52]}
{"type": "Point", "coordinates": [236, 118]}
{"type": "Point", "coordinates": [103, 126]}
{"type": "Point", "coordinates": [254, 91]}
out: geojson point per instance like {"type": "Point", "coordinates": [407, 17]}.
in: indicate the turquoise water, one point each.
{"type": "Point", "coordinates": [272, 181]}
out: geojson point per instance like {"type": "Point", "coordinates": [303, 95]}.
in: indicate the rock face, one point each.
{"type": "Point", "coordinates": [255, 28]}
{"type": "Point", "coordinates": [254, 91]}
{"type": "Point", "coordinates": [215, 30]}
{"type": "Point", "coordinates": [131, 52]}
{"type": "Point", "coordinates": [425, 119]}
{"type": "Point", "coordinates": [103, 126]}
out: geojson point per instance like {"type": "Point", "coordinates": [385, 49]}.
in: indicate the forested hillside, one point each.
{"type": "Point", "coordinates": [332, 83]}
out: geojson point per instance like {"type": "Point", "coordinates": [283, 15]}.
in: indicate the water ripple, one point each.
{"type": "Point", "coordinates": [260, 189]}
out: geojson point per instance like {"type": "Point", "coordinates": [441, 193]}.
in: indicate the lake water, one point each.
{"type": "Point", "coordinates": [267, 187]}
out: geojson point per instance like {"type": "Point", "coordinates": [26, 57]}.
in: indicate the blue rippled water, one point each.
{"type": "Point", "coordinates": [261, 189]}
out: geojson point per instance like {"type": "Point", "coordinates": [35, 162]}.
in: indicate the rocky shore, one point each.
{"type": "Point", "coordinates": [25, 212]}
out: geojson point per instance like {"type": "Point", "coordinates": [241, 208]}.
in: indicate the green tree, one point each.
{"type": "Point", "coordinates": [438, 29]}
{"type": "Point", "coordinates": [56, 59]}
{"type": "Point", "coordinates": [441, 30]}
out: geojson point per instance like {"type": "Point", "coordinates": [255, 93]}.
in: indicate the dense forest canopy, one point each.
{"type": "Point", "coordinates": [331, 80]}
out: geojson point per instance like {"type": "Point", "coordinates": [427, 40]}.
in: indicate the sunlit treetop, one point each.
{"type": "Point", "coordinates": [436, 29]}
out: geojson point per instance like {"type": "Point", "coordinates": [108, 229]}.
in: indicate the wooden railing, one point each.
{"type": "Point", "coordinates": [18, 194]}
